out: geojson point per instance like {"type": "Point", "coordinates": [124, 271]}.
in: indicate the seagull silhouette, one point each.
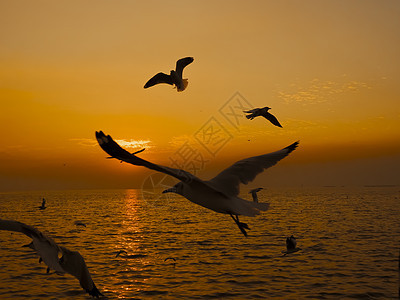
{"type": "Point", "coordinates": [175, 76]}
{"type": "Point", "coordinates": [70, 261]}
{"type": "Point", "coordinates": [124, 253]}
{"type": "Point", "coordinates": [291, 243]}
{"type": "Point", "coordinates": [43, 206]}
{"type": "Point", "coordinates": [219, 194]}
{"type": "Point", "coordinates": [256, 112]}
{"type": "Point", "coordinates": [254, 192]}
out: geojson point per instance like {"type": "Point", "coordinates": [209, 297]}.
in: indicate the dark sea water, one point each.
{"type": "Point", "coordinates": [350, 240]}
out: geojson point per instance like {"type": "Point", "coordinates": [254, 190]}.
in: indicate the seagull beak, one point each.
{"type": "Point", "coordinates": [170, 190]}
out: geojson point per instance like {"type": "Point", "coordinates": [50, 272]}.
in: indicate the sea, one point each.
{"type": "Point", "coordinates": [349, 240]}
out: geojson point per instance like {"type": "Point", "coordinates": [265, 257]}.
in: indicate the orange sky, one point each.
{"type": "Point", "coordinates": [329, 70]}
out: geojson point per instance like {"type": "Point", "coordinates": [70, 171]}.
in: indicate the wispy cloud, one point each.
{"type": "Point", "coordinates": [123, 143]}
{"type": "Point", "coordinates": [135, 143]}
{"type": "Point", "coordinates": [85, 142]}
{"type": "Point", "coordinates": [319, 91]}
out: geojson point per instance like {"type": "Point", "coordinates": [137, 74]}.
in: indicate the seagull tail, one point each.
{"type": "Point", "coordinates": [248, 208]}
{"type": "Point", "coordinates": [185, 83]}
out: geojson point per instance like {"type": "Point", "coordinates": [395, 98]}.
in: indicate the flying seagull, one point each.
{"type": "Point", "coordinates": [124, 253]}
{"type": "Point", "coordinates": [256, 112]}
{"type": "Point", "coordinates": [175, 76]}
{"type": "Point", "coordinates": [254, 192]}
{"type": "Point", "coordinates": [79, 223]}
{"type": "Point", "coordinates": [70, 261]}
{"type": "Point", "coordinates": [219, 194]}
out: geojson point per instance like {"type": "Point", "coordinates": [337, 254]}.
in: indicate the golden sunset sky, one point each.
{"type": "Point", "coordinates": [330, 71]}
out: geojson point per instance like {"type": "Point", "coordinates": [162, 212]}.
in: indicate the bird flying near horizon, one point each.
{"type": "Point", "coordinates": [219, 194]}
{"type": "Point", "coordinates": [256, 112]}
{"type": "Point", "coordinates": [70, 262]}
{"type": "Point", "coordinates": [175, 76]}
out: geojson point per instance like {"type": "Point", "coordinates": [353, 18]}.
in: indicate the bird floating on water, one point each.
{"type": "Point", "coordinates": [256, 112]}
{"type": "Point", "coordinates": [254, 192]}
{"type": "Point", "coordinates": [175, 76]}
{"type": "Point", "coordinates": [79, 223]}
{"type": "Point", "coordinates": [43, 206]}
{"type": "Point", "coordinates": [291, 244]}
{"type": "Point", "coordinates": [70, 262]}
{"type": "Point", "coordinates": [219, 194]}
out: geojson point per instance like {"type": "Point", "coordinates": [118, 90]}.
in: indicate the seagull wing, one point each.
{"type": "Point", "coordinates": [73, 263]}
{"type": "Point", "coordinates": [272, 119]}
{"type": "Point", "coordinates": [182, 63]}
{"type": "Point", "coordinates": [246, 170]}
{"type": "Point", "coordinates": [159, 78]}
{"type": "Point", "coordinates": [256, 190]}
{"type": "Point", "coordinates": [45, 246]}
{"type": "Point", "coordinates": [113, 149]}
{"type": "Point", "coordinates": [252, 110]}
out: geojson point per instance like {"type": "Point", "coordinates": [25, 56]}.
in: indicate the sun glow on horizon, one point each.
{"type": "Point", "coordinates": [67, 72]}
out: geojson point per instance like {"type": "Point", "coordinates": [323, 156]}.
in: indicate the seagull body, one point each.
{"type": "Point", "coordinates": [264, 113]}
{"type": "Point", "coordinates": [219, 194]}
{"type": "Point", "coordinates": [57, 258]}
{"type": "Point", "coordinates": [254, 192]}
{"type": "Point", "coordinates": [291, 243]}
{"type": "Point", "coordinates": [175, 76]}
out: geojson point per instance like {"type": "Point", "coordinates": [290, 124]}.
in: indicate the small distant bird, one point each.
{"type": "Point", "coordinates": [175, 76]}
{"type": "Point", "coordinates": [291, 243]}
{"type": "Point", "coordinates": [264, 113]}
{"type": "Point", "coordinates": [254, 192]}
{"type": "Point", "coordinates": [220, 194]}
{"type": "Point", "coordinates": [79, 223]}
{"type": "Point", "coordinates": [70, 261]}
{"type": "Point", "coordinates": [169, 258]}
{"type": "Point", "coordinates": [43, 206]}
{"type": "Point", "coordinates": [120, 252]}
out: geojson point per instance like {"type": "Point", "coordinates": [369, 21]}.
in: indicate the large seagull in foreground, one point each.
{"type": "Point", "coordinates": [57, 258]}
{"type": "Point", "coordinates": [219, 194]}
{"type": "Point", "coordinates": [175, 76]}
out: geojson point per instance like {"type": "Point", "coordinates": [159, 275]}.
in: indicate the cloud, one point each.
{"type": "Point", "coordinates": [123, 143]}
{"type": "Point", "coordinates": [318, 91]}
{"type": "Point", "coordinates": [134, 143]}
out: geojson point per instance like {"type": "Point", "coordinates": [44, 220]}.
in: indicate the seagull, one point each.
{"type": "Point", "coordinates": [120, 252]}
{"type": "Point", "coordinates": [57, 258]}
{"type": "Point", "coordinates": [219, 194]}
{"type": "Point", "coordinates": [79, 223]}
{"type": "Point", "coordinates": [291, 245]}
{"type": "Point", "coordinates": [43, 206]}
{"type": "Point", "coordinates": [256, 112]}
{"type": "Point", "coordinates": [254, 192]}
{"type": "Point", "coordinates": [169, 258]}
{"type": "Point", "coordinates": [175, 76]}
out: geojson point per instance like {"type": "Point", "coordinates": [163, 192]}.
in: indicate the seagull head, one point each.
{"type": "Point", "coordinates": [177, 188]}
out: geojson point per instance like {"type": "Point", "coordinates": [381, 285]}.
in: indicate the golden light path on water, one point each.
{"type": "Point", "coordinates": [347, 237]}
